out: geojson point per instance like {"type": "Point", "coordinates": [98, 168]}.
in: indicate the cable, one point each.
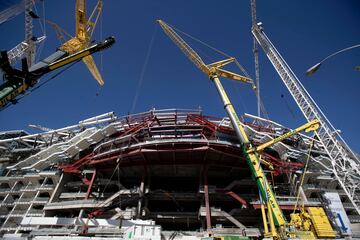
{"type": "Point", "coordinates": [101, 38]}
{"type": "Point", "coordinates": [141, 79]}
{"type": "Point", "coordinates": [54, 76]}
{"type": "Point", "coordinates": [242, 68]}
{"type": "Point", "coordinates": [288, 106]}
{"type": "Point", "coordinates": [214, 49]}
{"type": "Point", "coordinates": [198, 40]}
{"type": "Point", "coordinates": [39, 85]}
{"type": "Point", "coordinates": [303, 176]}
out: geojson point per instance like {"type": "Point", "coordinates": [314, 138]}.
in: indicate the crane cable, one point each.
{"type": "Point", "coordinates": [143, 70]}
{"type": "Point", "coordinates": [99, 88]}
{"type": "Point", "coordinates": [41, 84]}
{"type": "Point", "coordinates": [214, 49]}
{"type": "Point", "coordinates": [242, 68]}
{"type": "Point", "coordinates": [303, 176]}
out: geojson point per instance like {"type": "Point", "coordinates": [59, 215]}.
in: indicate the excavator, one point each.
{"type": "Point", "coordinates": [311, 223]}
{"type": "Point", "coordinates": [80, 47]}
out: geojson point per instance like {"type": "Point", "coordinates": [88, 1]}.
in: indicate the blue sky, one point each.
{"type": "Point", "coordinates": [303, 31]}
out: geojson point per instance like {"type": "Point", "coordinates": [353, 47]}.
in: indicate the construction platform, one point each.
{"type": "Point", "coordinates": [161, 174]}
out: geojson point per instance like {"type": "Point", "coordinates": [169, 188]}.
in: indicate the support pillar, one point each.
{"type": "Point", "coordinates": [207, 203]}
{"type": "Point", "coordinates": [141, 194]}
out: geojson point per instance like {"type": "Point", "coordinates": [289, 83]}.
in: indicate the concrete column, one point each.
{"type": "Point", "coordinates": [207, 204]}
{"type": "Point", "coordinates": [141, 194]}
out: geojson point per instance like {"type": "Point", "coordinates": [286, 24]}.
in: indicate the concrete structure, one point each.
{"type": "Point", "coordinates": [179, 171]}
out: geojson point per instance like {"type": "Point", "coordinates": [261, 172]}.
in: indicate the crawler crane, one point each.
{"type": "Point", "coordinates": [80, 47]}
{"type": "Point", "coordinates": [280, 228]}
{"type": "Point", "coordinates": [341, 162]}
{"type": "Point", "coordinates": [18, 82]}
{"type": "Point", "coordinates": [84, 29]}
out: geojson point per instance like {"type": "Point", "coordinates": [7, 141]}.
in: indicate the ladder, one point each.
{"type": "Point", "coordinates": [342, 163]}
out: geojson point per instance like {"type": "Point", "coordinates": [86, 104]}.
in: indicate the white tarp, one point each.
{"type": "Point", "coordinates": [338, 211]}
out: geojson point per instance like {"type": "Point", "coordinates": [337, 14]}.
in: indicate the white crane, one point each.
{"type": "Point", "coordinates": [26, 48]}
{"type": "Point", "coordinates": [341, 161]}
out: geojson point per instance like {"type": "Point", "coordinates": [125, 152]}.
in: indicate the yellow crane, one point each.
{"type": "Point", "coordinates": [18, 81]}
{"type": "Point", "coordinates": [79, 47]}
{"type": "Point", "coordinates": [279, 226]}
{"type": "Point", "coordinates": [84, 29]}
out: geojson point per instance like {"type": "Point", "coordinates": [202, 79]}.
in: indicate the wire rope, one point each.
{"type": "Point", "coordinates": [143, 70]}
{"type": "Point", "coordinates": [242, 68]}
{"type": "Point", "coordinates": [41, 84]}
{"type": "Point", "coordinates": [303, 176]}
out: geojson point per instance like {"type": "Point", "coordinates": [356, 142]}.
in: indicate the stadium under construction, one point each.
{"type": "Point", "coordinates": [168, 174]}
{"type": "Point", "coordinates": [178, 169]}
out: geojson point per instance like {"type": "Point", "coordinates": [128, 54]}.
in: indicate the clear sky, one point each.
{"type": "Point", "coordinates": [303, 31]}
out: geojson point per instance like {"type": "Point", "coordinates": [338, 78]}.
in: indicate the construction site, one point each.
{"type": "Point", "coordinates": [166, 174]}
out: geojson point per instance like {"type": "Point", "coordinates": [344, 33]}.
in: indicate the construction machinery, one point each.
{"type": "Point", "coordinates": [342, 162]}
{"type": "Point", "coordinates": [84, 29]}
{"type": "Point", "coordinates": [19, 81]}
{"type": "Point", "coordinates": [26, 48]}
{"type": "Point", "coordinates": [279, 227]}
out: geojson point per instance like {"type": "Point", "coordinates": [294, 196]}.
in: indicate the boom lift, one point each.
{"type": "Point", "coordinates": [276, 217]}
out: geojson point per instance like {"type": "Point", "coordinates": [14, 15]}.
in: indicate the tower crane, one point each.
{"type": "Point", "coordinates": [341, 161]}
{"type": "Point", "coordinates": [280, 228]}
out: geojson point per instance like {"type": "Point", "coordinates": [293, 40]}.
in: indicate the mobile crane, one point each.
{"type": "Point", "coordinates": [341, 162]}
{"type": "Point", "coordinates": [84, 29]}
{"type": "Point", "coordinates": [19, 81]}
{"type": "Point", "coordinates": [79, 47]}
{"type": "Point", "coordinates": [280, 228]}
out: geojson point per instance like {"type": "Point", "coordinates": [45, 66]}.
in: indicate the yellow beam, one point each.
{"type": "Point", "coordinates": [310, 126]}
{"type": "Point", "coordinates": [221, 63]}
{"type": "Point", "coordinates": [68, 59]}
{"type": "Point", "coordinates": [232, 76]}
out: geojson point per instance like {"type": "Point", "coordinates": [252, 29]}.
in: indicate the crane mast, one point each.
{"type": "Point", "coordinates": [31, 50]}
{"type": "Point", "coordinates": [256, 57]}
{"type": "Point", "coordinates": [26, 48]}
{"type": "Point", "coordinates": [341, 161]}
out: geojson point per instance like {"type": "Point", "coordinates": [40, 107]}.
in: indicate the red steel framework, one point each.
{"type": "Point", "coordinates": [143, 132]}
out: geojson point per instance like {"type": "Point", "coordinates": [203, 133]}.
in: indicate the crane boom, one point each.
{"type": "Point", "coordinates": [249, 151]}
{"type": "Point", "coordinates": [80, 15]}
{"type": "Point", "coordinates": [184, 47]}
{"type": "Point", "coordinates": [208, 69]}
{"type": "Point", "coordinates": [19, 81]}
{"type": "Point", "coordinates": [84, 29]}
{"type": "Point", "coordinates": [256, 57]}
{"type": "Point", "coordinates": [341, 161]}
